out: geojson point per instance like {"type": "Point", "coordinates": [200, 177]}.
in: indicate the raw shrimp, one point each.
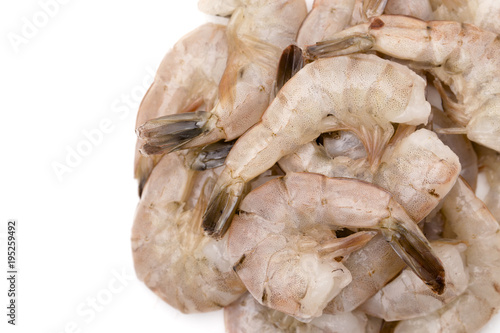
{"type": "Point", "coordinates": [188, 270]}
{"type": "Point", "coordinates": [489, 161]}
{"type": "Point", "coordinates": [282, 252]}
{"type": "Point", "coordinates": [361, 93]}
{"type": "Point", "coordinates": [248, 316]}
{"type": "Point", "coordinates": [257, 33]}
{"type": "Point", "coordinates": [467, 219]}
{"type": "Point", "coordinates": [463, 58]}
{"type": "Point", "coordinates": [187, 78]}
{"type": "Point", "coordinates": [407, 297]}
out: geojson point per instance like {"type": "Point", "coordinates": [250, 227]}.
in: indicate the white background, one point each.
{"type": "Point", "coordinates": [84, 69]}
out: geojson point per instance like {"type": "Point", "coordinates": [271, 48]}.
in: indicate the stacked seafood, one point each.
{"type": "Point", "coordinates": [316, 172]}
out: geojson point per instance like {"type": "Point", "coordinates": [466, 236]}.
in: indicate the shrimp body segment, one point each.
{"type": "Point", "coordinates": [257, 33]}
{"type": "Point", "coordinates": [462, 57]}
{"type": "Point", "coordinates": [187, 78]}
{"type": "Point", "coordinates": [361, 93]}
{"type": "Point", "coordinates": [171, 254]}
{"type": "Point", "coordinates": [279, 248]}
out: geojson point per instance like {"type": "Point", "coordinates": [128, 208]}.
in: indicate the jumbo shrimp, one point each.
{"type": "Point", "coordinates": [187, 79]}
{"type": "Point", "coordinates": [361, 93]}
{"type": "Point", "coordinates": [464, 59]}
{"type": "Point", "coordinates": [257, 33]}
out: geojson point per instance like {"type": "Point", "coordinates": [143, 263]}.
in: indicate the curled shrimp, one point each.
{"type": "Point", "coordinates": [407, 297]}
{"type": "Point", "coordinates": [469, 221]}
{"type": "Point", "coordinates": [462, 58]}
{"type": "Point", "coordinates": [257, 33]}
{"type": "Point", "coordinates": [248, 316]}
{"type": "Point", "coordinates": [361, 93]}
{"type": "Point", "coordinates": [182, 85]}
{"type": "Point", "coordinates": [173, 257]}
{"type": "Point", "coordinates": [282, 252]}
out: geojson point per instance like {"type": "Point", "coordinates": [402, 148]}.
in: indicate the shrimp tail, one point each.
{"type": "Point", "coordinates": [170, 133]}
{"type": "Point", "coordinates": [221, 209]}
{"type": "Point", "coordinates": [212, 155]}
{"type": "Point", "coordinates": [342, 46]}
{"type": "Point", "coordinates": [291, 62]}
{"type": "Point", "coordinates": [411, 245]}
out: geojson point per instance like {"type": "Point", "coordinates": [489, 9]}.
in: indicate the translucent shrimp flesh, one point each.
{"type": "Point", "coordinates": [464, 59]}
{"type": "Point", "coordinates": [467, 220]}
{"type": "Point", "coordinates": [281, 250]}
{"type": "Point", "coordinates": [187, 79]}
{"type": "Point", "coordinates": [361, 93]}
{"type": "Point", "coordinates": [257, 33]}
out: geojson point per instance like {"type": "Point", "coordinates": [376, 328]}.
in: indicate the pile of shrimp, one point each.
{"type": "Point", "coordinates": [317, 171]}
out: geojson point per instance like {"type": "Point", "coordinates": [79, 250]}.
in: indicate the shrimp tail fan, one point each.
{"type": "Point", "coordinates": [170, 133]}
{"type": "Point", "coordinates": [221, 209]}
{"type": "Point", "coordinates": [291, 62]}
{"type": "Point", "coordinates": [411, 245]}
